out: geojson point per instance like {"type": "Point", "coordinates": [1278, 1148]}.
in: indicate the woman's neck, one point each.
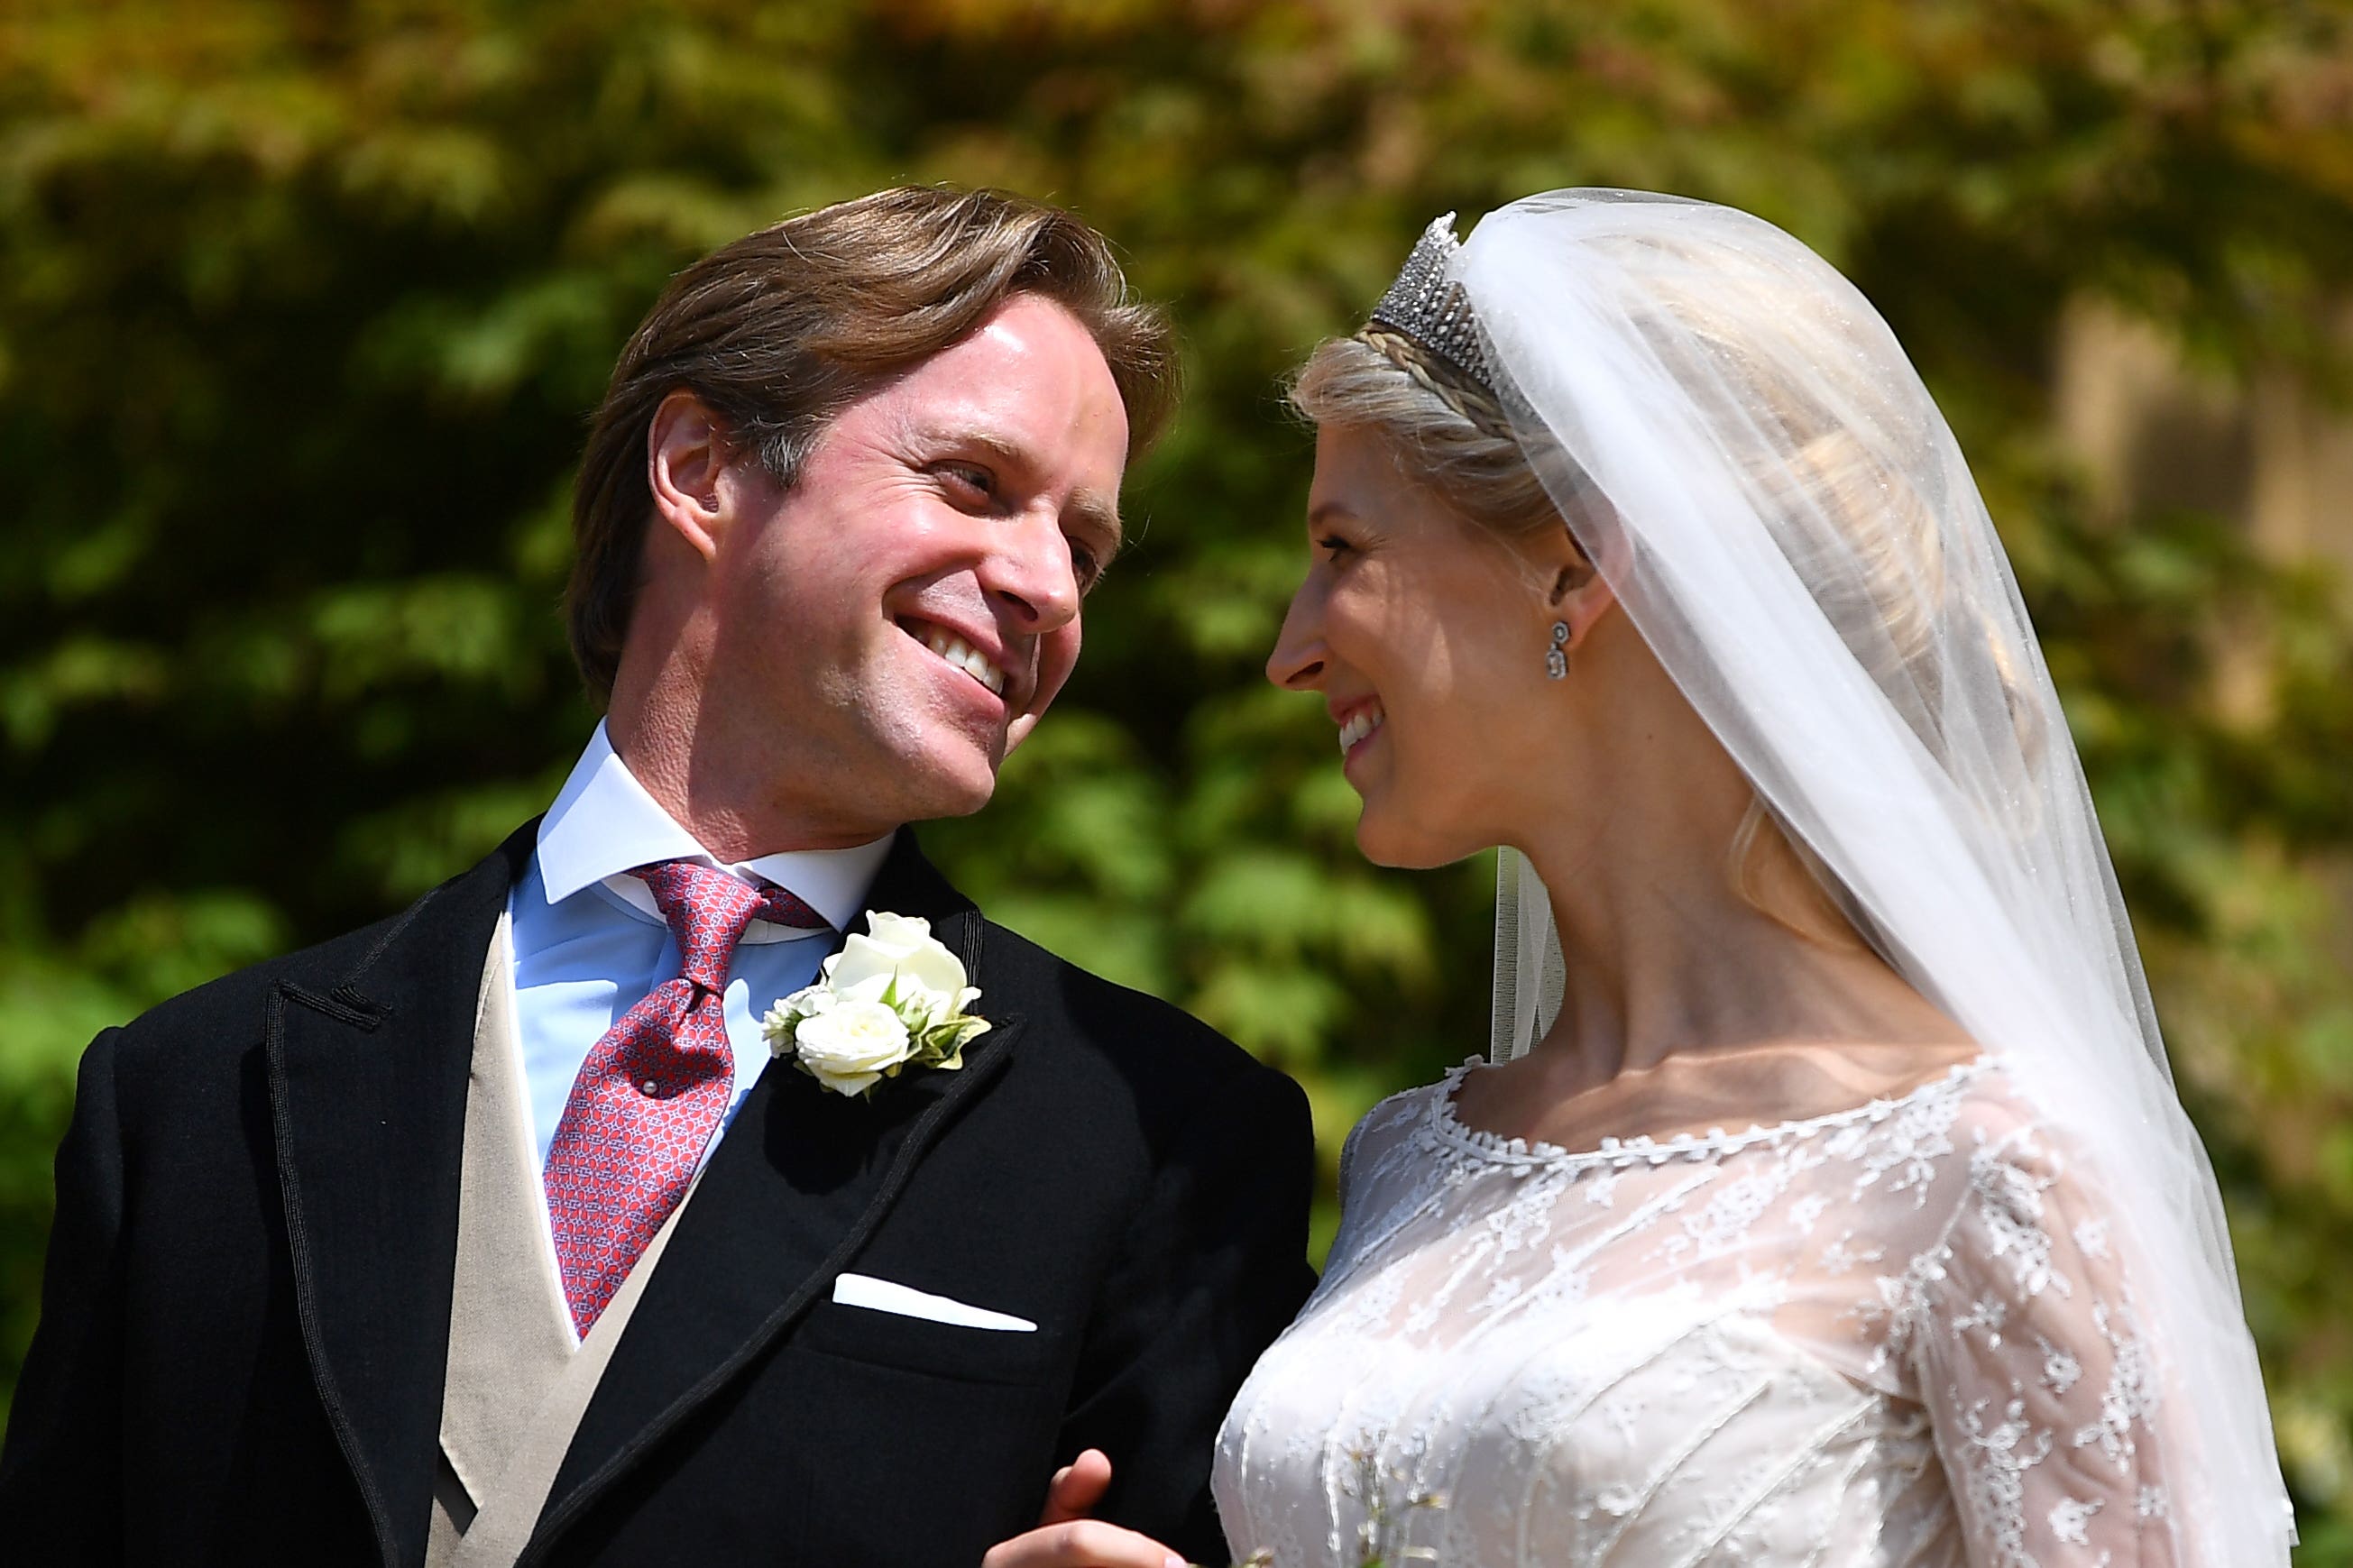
{"type": "Point", "coordinates": [1666, 959]}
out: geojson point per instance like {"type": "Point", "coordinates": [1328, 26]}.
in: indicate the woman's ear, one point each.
{"type": "Point", "coordinates": [686, 462]}
{"type": "Point", "coordinates": [1576, 595]}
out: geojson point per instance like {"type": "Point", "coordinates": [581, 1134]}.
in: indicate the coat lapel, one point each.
{"type": "Point", "coordinates": [796, 1187]}
{"type": "Point", "coordinates": [368, 1081]}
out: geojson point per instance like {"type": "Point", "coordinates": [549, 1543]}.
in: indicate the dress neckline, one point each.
{"type": "Point", "coordinates": [1644, 1150]}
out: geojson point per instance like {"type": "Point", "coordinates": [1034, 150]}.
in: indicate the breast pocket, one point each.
{"type": "Point", "coordinates": [972, 1411]}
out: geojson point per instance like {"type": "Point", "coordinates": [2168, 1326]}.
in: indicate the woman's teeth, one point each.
{"type": "Point", "coordinates": [958, 652]}
{"type": "Point", "coordinates": [1361, 723]}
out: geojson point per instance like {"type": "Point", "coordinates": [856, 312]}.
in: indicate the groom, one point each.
{"type": "Point", "coordinates": [492, 1233]}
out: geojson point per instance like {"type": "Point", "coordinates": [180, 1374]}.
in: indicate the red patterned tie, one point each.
{"type": "Point", "coordinates": [654, 1087]}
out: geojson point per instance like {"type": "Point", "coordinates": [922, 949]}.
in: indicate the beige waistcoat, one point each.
{"type": "Point", "coordinates": [517, 1384]}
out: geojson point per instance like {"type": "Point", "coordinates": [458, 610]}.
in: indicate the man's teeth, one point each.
{"type": "Point", "coordinates": [1363, 722]}
{"type": "Point", "coordinates": [958, 652]}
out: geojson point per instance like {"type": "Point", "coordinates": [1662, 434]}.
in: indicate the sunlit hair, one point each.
{"type": "Point", "coordinates": [779, 331]}
{"type": "Point", "coordinates": [1456, 439]}
{"type": "Point", "coordinates": [1446, 432]}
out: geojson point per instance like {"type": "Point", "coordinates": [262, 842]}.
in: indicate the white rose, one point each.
{"type": "Point", "coordinates": [931, 981]}
{"type": "Point", "coordinates": [847, 1045]}
{"type": "Point", "coordinates": [781, 1021]}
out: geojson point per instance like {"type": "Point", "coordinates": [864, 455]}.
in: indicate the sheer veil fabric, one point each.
{"type": "Point", "coordinates": [1754, 464]}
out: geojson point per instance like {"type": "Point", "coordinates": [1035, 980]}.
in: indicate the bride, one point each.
{"type": "Point", "coordinates": [1828, 1201]}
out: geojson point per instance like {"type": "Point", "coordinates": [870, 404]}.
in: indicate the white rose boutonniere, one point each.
{"type": "Point", "coordinates": [892, 997]}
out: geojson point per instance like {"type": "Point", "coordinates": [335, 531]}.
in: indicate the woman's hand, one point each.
{"type": "Point", "coordinates": [1067, 1537]}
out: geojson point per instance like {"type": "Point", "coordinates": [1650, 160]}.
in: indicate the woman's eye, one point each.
{"type": "Point", "coordinates": [1333, 545]}
{"type": "Point", "coordinates": [1085, 564]}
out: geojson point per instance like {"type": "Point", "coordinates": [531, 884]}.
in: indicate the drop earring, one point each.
{"type": "Point", "coordinates": [1557, 656]}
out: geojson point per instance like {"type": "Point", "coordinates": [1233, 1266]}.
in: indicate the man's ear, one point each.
{"type": "Point", "coordinates": [686, 463]}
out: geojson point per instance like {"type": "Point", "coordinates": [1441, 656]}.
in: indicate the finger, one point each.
{"type": "Point", "coordinates": [1081, 1543]}
{"type": "Point", "coordinates": [1076, 1488]}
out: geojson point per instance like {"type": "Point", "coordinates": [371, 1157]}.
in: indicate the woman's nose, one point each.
{"type": "Point", "coordinates": [1297, 662]}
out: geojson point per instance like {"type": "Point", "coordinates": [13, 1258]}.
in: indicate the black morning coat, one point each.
{"type": "Point", "coordinates": [245, 1314]}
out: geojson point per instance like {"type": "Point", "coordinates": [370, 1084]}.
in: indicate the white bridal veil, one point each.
{"type": "Point", "coordinates": [1756, 468]}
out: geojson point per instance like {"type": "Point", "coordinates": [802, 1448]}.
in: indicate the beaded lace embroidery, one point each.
{"type": "Point", "coordinates": [1896, 1335]}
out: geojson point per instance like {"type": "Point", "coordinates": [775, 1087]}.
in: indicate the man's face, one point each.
{"type": "Point", "coordinates": [897, 620]}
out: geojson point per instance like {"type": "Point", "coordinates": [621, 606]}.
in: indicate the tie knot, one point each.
{"type": "Point", "coordinates": [708, 909]}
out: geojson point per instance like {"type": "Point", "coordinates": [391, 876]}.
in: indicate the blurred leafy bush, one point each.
{"type": "Point", "coordinates": [302, 307]}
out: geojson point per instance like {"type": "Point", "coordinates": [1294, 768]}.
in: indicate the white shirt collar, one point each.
{"type": "Point", "coordinates": [603, 823]}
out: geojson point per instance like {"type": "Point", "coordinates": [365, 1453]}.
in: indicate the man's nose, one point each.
{"type": "Point", "coordinates": [1299, 657]}
{"type": "Point", "coordinates": [1030, 572]}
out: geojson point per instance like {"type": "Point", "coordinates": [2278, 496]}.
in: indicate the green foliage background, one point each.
{"type": "Point", "coordinates": [302, 306]}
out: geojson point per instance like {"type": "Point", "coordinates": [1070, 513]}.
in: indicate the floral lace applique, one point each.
{"type": "Point", "coordinates": [1855, 1342]}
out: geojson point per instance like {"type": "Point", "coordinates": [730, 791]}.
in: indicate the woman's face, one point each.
{"type": "Point", "coordinates": [1426, 636]}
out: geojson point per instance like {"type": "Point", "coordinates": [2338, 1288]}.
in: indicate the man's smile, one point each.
{"type": "Point", "coordinates": [951, 648]}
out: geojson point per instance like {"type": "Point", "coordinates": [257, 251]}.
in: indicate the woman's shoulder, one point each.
{"type": "Point", "coordinates": [1395, 1119]}
{"type": "Point", "coordinates": [1973, 1181]}
{"type": "Point", "coordinates": [2001, 1141]}
{"type": "Point", "coordinates": [2022, 1175]}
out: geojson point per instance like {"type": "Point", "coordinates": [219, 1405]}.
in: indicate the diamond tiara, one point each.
{"type": "Point", "coordinates": [1426, 306]}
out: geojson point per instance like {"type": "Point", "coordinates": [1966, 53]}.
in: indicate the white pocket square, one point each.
{"type": "Point", "coordinates": [886, 1296]}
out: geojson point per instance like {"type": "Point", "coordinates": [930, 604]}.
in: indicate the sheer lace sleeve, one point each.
{"type": "Point", "coordinates": [2045, 1398]}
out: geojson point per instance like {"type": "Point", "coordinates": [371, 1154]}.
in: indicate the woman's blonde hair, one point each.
{"type": "Point", "coordinates": [1448, 434]}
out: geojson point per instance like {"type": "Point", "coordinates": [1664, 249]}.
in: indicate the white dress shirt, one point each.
{"type": "Point", "coordinates": [589, 942]}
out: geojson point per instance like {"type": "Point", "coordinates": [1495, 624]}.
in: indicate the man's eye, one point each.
{"type": "Point", "coordinates": [966, 477]}
{"type": "Point", "coordinates": [1085, 564]}
{"type": "Point", "coordinates": [1334, 546]}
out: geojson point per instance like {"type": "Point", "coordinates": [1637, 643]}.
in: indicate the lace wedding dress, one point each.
{"type": "Point", "coordinates": [1894, 1336]}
